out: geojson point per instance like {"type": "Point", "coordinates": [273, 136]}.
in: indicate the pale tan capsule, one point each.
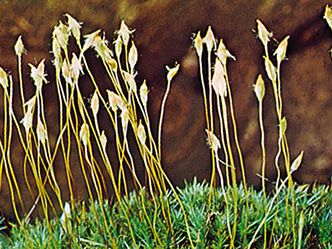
{"type": "Point", "coordinates": [124, 32]}
{"type": "Point", "coordinates": [297, 162]}
{"type": "Point", "coordinates": [118, 46]}
{"type": "Point", "coordinates": [75, 68]}
{"type": "Point", "coordinates": [143, 92]}
{"type": "Point", "coordinates": [209, 39]}
{"type": "Point", "coordinates": [223, 54]}
{"type": "Point", "coordinates": [328, 15]}
{"type": "Point", "coordinates": [172, 72]}
{"type": "Point", "coordinates": [198, 44]}
{"type": "Point", "coordinates": [74, 27]}
{"type": "Point", "coordinates": [259, 88]}
{"type": "Point", "coordinates": [65, 218]}
{"type": "Point", "coordinates": [280, 52]}
{"type": "Point", "coordinates": [26, 121]}
{"type": "Point", "coordinates": [19, 46]}
{"type": "Point", "coordinates": [41, 132]}
{"type": "Point", "coordinates": [132, 57]}
{"type": "Point", "coordinates": [61, 33]}
{"type": "Point", "coordinates": [125, 119]}
{"type": "Point", "coordinates": [90, 40]}
{"type": "Point", "coordinates": [130, 80]}
{"type": "Point", "coordinates": [212, 141]}
{"type": "Point", "coordinates": [38, 74]}
{"type": "Point", "coordinates": [141, 133]}
{"type": "Point", "coordinates": [218, 79]}
{"type": "Point", "coordinates": [66, 72]}
{"type": "Point", "coordinates": [263, 34]}
{"type": "Point", "coordinates": [270, 69]}
{"type": "Point", "coordinates": [95, 103]}
{"type": "Point", "coordinates": [103, 140]}
{"type": "Point", "coordinates": [3, 78]}
{"type": "Point", "coordinates": [101, 47]}
{"type": "Point", "coordinates": [85, 134]}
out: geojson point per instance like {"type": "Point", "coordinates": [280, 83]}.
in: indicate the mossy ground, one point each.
{"type": "Point", "coordinates": [207, 224]}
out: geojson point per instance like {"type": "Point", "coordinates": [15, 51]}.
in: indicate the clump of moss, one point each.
{"type": "Point", "coordinates": [207, 224]}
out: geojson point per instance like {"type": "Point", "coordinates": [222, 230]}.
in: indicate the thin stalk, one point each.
{"type": "Point", "coordinates": [237, 144]}
{"type": "Point", "coordinates": [233, 169]}
{"type": "Point", "coordinates": [19, 60]}
{"type": "Point", "coordinates": [268, 212]}
{"type": "Point", "coordinates": [204, 92]}
{"type": "Point", "coordinates": [213, 166]}
{"type": "Point", "coordinates": [162, 110]}
{"type": "Point", "coordinates": [224, 194]}
{"type": "Point", "coordinates": [222, 135]}
{"type": "Point", "coordinates": [10, 133]}
{"type": "Point", "coordinates": [62, 128]}
{"type": "Point", "coordinates": [11, 188]}
{"type": "Point", "coordinates": [236, 137]}
{"type": "Point", "coordinates": [261, 125]}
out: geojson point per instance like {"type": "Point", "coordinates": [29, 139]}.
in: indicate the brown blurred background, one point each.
{"type": "Point", "coordinates": [163, 36]}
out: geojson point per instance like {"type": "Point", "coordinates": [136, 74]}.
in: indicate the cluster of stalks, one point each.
{"type": "Point", "coordinates": [219, 110]}
{"type": "Point", "coordinates": [217, 81]}
{"type": "Point", "coordinates": [127, 110]}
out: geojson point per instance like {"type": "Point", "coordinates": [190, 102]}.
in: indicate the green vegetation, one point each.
{"type": "Point", "coordinates": [156, 215]}
{"type": "Point", "coordinates": [208, 227]}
